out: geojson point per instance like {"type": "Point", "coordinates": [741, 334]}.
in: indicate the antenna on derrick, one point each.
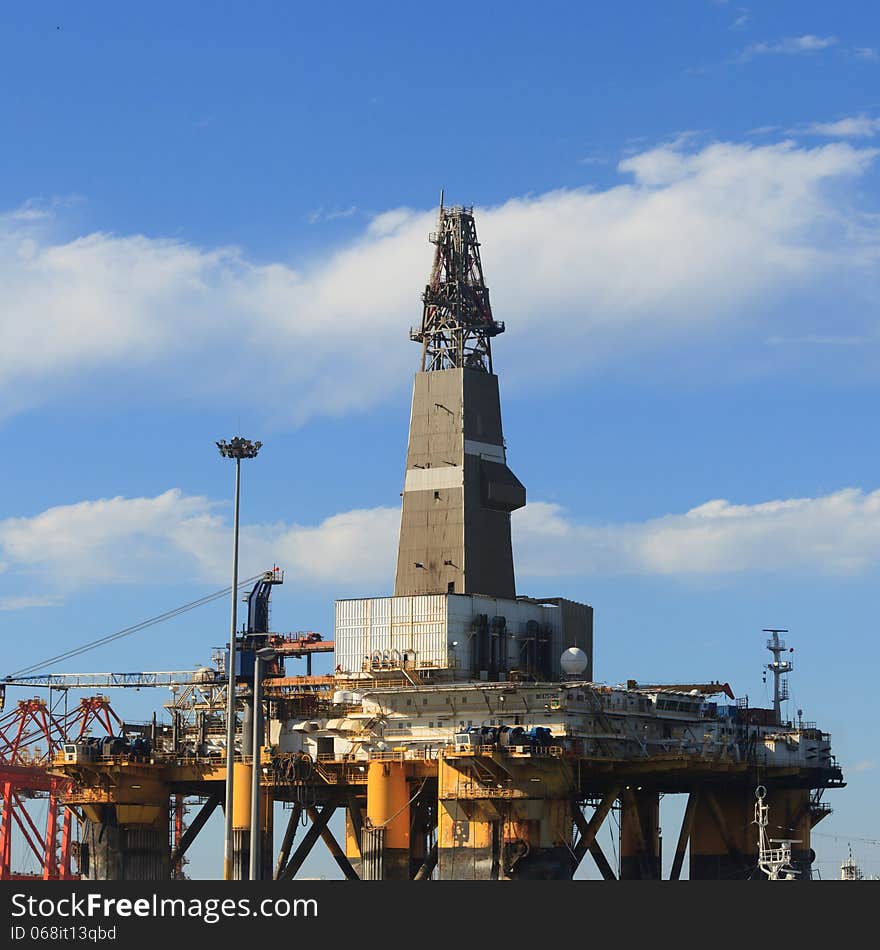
{"type": "Point", "coordinates": [779, 668]}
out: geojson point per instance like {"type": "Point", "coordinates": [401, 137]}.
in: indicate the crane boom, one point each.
{"type": "Point", "coordinates": [111, 680]}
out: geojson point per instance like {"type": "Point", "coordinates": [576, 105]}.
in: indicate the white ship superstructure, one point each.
{"type": "Point", "coordinates": [586, 719]}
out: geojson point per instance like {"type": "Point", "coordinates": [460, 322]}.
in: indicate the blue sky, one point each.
{"type": "Point", "coordinates": [214, 220]}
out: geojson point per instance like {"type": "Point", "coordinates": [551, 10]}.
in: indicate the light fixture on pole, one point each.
{"type": "Point", "coordinates": [238, 449]}
{"type": "Point", "coordinates": [260, 657]}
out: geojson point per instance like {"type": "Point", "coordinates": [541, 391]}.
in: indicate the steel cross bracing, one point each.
{"type": "Point", "coordinates": [457, 323]}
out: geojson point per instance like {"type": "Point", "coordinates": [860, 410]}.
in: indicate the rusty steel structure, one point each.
{"type": "Point", "coordinates": [462, 734]}
{"type": "Point", "coordinates": [457, 322]}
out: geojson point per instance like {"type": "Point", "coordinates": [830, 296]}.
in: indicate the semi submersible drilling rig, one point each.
{"type": "Point", "coordinates": [461, 732]}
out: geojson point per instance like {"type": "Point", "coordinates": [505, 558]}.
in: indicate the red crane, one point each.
{"type": "Point", "coordinates": [30, 736]}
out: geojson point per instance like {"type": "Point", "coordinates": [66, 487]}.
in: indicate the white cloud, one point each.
{"type": "Point", "coordinates": [859, 126]}
{"type": "Point", "coordinates": [833, 534]}
{"type": "Point", "coordinates": [866, 52]}
{"type": "Point", "coordinates": [154, 540]}
{"type": "Point", "coordinates": [807, 43]}
{"type": "Point", "coordinates": [790, 45]}
{"type": "Point", "coordinates": [866, 765]}
{"type": "Point", "coordinates": [700, 244]}
{"type": "Point", "coordinates": [122, 540]}
{"type": "Point", "coordinates": [320, 215]}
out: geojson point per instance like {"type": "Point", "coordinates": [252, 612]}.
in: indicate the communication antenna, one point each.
{"type": "Point", "coordinates": [849, 870]}
{"type": "Point", "coordinates": [779, 668]}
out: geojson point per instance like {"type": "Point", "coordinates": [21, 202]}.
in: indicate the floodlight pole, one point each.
{"type": "Point", "coordinates": [237, 449]}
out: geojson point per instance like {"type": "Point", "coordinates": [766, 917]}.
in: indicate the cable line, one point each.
{"type": "Point", "coordinates": [134, 628]}
{"type": "Point", "coordinates": [819, 834]}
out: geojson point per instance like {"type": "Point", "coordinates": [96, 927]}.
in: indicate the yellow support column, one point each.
{"type": "Point", "coordinates": [522, 831]}
{"type": "Point", "coordinates": [386, 834]}
{"type": "Point", "coordinates": [241, 821]}
{"type": "Point", "coordinates": [640, 836]}
{"type": "Point", "coordinates": [723, 842]}
{"type": "Point", "coordinates": [468, 839]}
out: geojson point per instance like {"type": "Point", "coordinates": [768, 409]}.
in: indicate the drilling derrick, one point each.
{"type": "Point", "coordinates": [458, 491]}
{"type": "Point", "coordinates": [457, 321]}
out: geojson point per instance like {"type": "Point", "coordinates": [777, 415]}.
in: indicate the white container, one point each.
{"type": "Point", "coordinates": [418, 632]}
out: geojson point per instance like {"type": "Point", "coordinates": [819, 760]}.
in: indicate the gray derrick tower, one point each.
{"type": "Point", "coordinates": [458, 491]}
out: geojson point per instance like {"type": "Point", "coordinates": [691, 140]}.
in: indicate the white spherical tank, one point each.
{"type": "Point", "coordinates": [574, 661]}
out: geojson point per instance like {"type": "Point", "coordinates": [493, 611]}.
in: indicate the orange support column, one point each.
{"type": "Point", "coordinates": [536, 838]}
{"type": "Point", "coordinates": [723, 840]}
{"type": "Point", "coordinates": [241, 821]}
{"type": "Point", "coordinates": [523, 832]}
{"type": "Point", "coordinates": [640, 836]}
{"type": "Point", "coordinates": [386, 834]}
{"type": "Point", "coordinates": [468, 830]}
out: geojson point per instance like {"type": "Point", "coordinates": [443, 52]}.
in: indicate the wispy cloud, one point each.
{"type": "Point", "coordinates": [319, 215]}
{"type": "Point", "coordinates": [740, 22]}
{"type": "Point", "coordinates": [40, 209]}
{"type": "Point", "coordinates": [866, 52]}
{"type": "Point", "coordinates": [859, 126]}
{"type": "Point", "coordinates": [789, 46]}
{"type": "Point", "coordinates": [866, 765]}
{"type": "Point", "coordinates": [815, 339]}
{"type": "Point", "coordinates": [763, 130]}
{"type": "Point", "coordinates": [22, 603]}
